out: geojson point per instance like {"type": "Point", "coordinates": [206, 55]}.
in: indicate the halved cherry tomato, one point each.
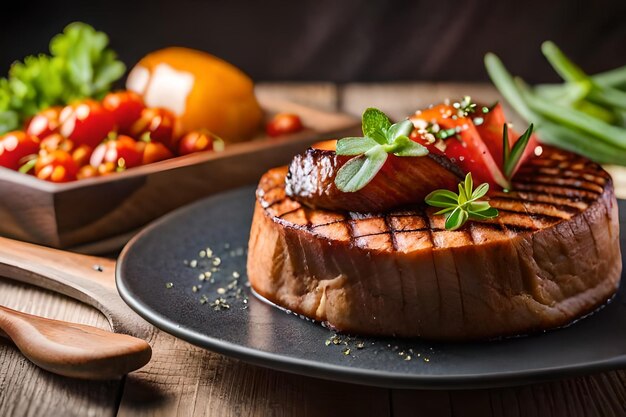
{"type": "Point", "coordinates": [116, 155]}
{"type": "Point", "coordinates": [463, 146]}
{"type": "Point", "coordinates": [153, 152]}
{"type": "Point", "coordinates": [15, 146]}
{"type": "Point", "coordinates": [86, 123]}
{"type": "Point", "coordinates": [159, 123]}
{"type": "Point", "coordinates": [490, 125]}
{"type": "Point", "coordinates": [196, 141]}
{"type": "Point", "coordinates": [126, 108]}
{"type": "Point", "coordinates": [56, 166]}
{"type": "Point", "coordinates": [45, 122]}
{"type": "Point", "coordinates": [283, 123]}
{"type": "Point", "coordinates": [56, 141]}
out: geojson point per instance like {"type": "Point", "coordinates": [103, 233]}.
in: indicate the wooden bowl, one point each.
{"type": "Point", "coordinates": [103, 209]}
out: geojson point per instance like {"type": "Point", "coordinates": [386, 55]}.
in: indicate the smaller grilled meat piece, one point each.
{"type": "Point", "coordinates": [401, 181]}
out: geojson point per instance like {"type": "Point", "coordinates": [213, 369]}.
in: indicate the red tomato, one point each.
{"type": "Point", "coordinates": [86, 123]}
{"type": "Point", "coordinates": [490, 130]}
{"type": "Point", "coordinates": [159, 123]}
{"type": "Point", "coordinates": [154, 152]}
{"type": "Point", "coordinates": [126, 108]}
{"type": "Point", "coordinates": [283, 123]}
{"type": "Point", "coordinates": [15, 146]}
{"type": "Point", "coordinates": [465, 147]}
{"type": "Point", "coordinates": [44, 123]}
{"type": "Point", "coordinates": [195, 141]}
{"type": "Point", "coordinates": [56, 166]}
{"type": "Point", "coordinates": [55, 141]}
{"type": "Point", "coordinates": [116, 155]}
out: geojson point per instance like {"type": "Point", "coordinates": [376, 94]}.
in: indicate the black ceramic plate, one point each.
{"type": "Point", "coordinates": [158, 270]}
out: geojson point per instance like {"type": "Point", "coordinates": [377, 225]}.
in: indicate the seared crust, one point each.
{"type": "Point", "coordinates": [550, 257]}
{"type": "Point", "coordinates": [402, 180]}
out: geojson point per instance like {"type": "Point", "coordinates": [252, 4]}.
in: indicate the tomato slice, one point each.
{"type": "Point", "coordinates": [463, 146]}
{"type": "Point", "coordinates": [490, 130]}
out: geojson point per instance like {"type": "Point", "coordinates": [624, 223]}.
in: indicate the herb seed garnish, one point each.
{"type": "Point", "coordinates": [169, 285]}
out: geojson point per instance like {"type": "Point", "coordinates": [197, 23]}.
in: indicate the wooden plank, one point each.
{"type": "Point", "coordinates": [26, 390]}
{"type": "Point", "coordinates": [183, 380]}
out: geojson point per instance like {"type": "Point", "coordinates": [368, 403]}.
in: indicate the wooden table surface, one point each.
{"type": "Point", "coordinates": [182, 380]}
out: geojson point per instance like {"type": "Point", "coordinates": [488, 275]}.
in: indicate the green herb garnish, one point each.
{"type": "Point", "coordinates": [380, 138]}
{"type": "Point", "coordinates": [463, 206]}
{"type": "Point", "coordinates": [80, 65]}
{"type": "Point", "coordinates": [512, 156]}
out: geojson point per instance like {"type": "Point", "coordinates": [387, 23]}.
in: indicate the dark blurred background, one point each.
{"type": "Point", "coordinates": [340, 41]}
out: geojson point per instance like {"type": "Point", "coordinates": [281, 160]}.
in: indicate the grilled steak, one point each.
{"type": "Point", "coordinates": [551, 256]}
{"type": "Point", "coordinates": [311, 181]}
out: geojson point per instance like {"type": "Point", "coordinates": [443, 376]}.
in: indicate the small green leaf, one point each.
{"type": "Point", "coordinates": [442, 198]}
{"type": "Point", "coordinates": [407, 147]}
{"type": "Point", "coordinates": [360, 170]}
{"type": "Point", "coordinates": [447, 210]}
{"type": "Point", "coordinates": [354, 145]}
{"type": "Point", "coordinates": [456, 219]}
{"type": "Point", "coordinates": [478, 206]}
{"type": "Point", "coordinates": [469, 186]}
{"type": "Point", "coordinates": [396, 130]}
{"type": "Point", "coordinates": [490, 213]}
{"type": "Point", "coordinates": [375, 125]}
{"type": "Point", "coordinates": [480, 191]}
{"type": "Point", "coordinates": [462, 197]}
{"type": "Point", "coordinates": [516, 152]}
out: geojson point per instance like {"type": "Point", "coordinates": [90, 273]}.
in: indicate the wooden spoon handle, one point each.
{"type": "Point", "coordinates": [86, 278]}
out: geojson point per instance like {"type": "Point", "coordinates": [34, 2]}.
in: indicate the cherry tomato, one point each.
{"type": "Point", "coordinates": [44, 123]}
{"type": "Point", "coordinates": [159, 123]}
{"type": "Point", "coordinates": [56, 166]}
{"type": "Point", "coordinates": [126, 108]}
{"type": "Point", "coordinates": [116, 155]}
{"type": "Point", "coordinates": [15, 146]}
{"type": "Point", "coordinates": [196, 141]}
{"type": "Point", "coordinates": [87, 171]}
{"type": "Point", "coordinates": [82, 154]}
{"type": "Point", "coordinates": [86, 123]}
{"type": "Point", "coordinates": [283, 123]}
{"type": "Point", "coordinates": [56, 141]}
{"type": "Point", "coordinates": [154, 152]}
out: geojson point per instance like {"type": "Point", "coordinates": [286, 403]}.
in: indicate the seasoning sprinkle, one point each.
{"type": "Point", "coordinates": [193, 263]}
{"type": "Point", "coordinates": [169, 285]}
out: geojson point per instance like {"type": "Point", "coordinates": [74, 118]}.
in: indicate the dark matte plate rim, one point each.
{"type": "Point", "coordinates": [336, 372]}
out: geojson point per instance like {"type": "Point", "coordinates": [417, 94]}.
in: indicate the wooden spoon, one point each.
{"type": "Point", "coordinates": [72, 349]}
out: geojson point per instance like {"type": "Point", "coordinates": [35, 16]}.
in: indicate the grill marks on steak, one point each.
{"type": "Point", "coordinates": [547, 190]}
{"type": "Point", "coordinates": [552, 255]}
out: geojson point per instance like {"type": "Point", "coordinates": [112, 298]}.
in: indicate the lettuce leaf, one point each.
{"type": "Point", "coordinates": [80, 66]}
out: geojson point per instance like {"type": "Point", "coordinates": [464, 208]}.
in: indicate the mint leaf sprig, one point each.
{"type": "Point", "coordinates": [380, 138]}
{"type": "Point", "coordinates": [463, 206]}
